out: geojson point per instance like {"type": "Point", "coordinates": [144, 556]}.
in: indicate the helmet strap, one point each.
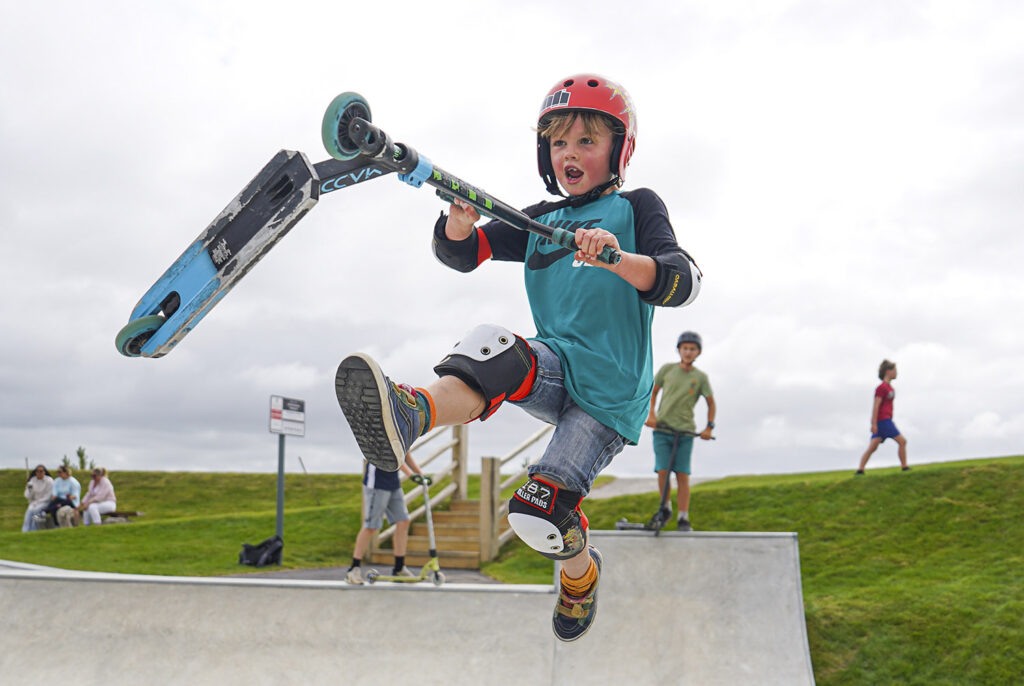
{"type": "Point", "coordinates": [575, 201]}
{"type": "Point", "coordinates": [594, 193]}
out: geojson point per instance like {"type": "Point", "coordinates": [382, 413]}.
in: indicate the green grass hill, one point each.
{"type": "Point", "coordinates": [908, 577]}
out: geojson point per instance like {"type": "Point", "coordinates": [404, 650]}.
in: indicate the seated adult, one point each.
{"type": "Point", "coordinates": [99, 499]}
{"type": "Point", "coordinates": [37, 492]}
{"type": "Point", "coordinates": [66, 492]}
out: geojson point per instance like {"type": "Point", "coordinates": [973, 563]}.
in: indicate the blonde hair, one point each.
{"type": "Point", "coordinates": [594, 123]}
{"type": "Point", "coordinates": [884, 367]}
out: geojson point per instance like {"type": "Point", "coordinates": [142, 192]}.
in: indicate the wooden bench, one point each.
{"type": "Point", "coordinates": [120, 516]}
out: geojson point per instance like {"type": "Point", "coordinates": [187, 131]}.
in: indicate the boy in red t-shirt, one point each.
{"type": "Point", "coordinates": [882, 426]}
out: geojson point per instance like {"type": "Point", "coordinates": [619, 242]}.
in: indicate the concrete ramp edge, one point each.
{"type": "Point", "coordinates": [696, 608]}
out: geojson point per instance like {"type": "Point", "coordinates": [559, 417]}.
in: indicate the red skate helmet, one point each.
{"type": "Point", "coordinates": [593, 93]}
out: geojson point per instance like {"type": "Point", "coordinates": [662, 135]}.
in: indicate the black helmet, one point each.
{"type": "Point", "coordinates": [690, 337]}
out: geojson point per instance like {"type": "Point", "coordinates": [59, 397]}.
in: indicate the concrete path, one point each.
{"type": "Point", "coordinates": [697, 608]}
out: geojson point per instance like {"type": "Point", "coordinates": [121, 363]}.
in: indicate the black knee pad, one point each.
{"type": "Point", "coordinates": [494, 362]}
{"type": "Point", "coordinates": [548, 519]}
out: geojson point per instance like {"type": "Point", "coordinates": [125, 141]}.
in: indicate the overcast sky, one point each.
{"type": "Point", "coordinates": [848, 175]}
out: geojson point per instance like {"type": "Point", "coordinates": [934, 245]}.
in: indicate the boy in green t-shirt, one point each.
{"type": "Point", "coordinates": [683, 384]}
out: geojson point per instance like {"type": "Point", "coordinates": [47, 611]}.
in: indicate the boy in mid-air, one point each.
{"type": "Point", "coordinates": [588, 370]}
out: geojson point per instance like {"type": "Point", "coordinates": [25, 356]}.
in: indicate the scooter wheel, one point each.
{"type": "Point", "coordinates": [334, 130]}
{"type": "Point", "coordinates": [437, 578]}
{"type": "Point", "coordinates": [133, 336]}
{"type": "Point", "coordinates": [371, 576]}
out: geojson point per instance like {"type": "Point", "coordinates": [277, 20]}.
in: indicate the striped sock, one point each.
{"type": "Point", "coordinates": [425, 406]}
{"type": "Point", "coordinates": [581, 586]}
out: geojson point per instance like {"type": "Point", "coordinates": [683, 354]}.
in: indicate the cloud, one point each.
{"type": "Point", "coordinates": [846, 175]}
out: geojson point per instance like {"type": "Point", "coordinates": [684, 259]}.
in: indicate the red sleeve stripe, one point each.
{"type": "Point", "coordinates": [483, 250]}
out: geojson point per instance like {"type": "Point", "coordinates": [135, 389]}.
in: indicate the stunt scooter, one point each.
{"type": "Point", "coordinates": [664, 513]}
{"type": "Point", "coordinates": [431, 570]}
{"type": "Point", "coordinates": [281, 194]}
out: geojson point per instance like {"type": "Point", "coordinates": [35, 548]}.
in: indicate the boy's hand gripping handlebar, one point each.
{"type": "Point", "coordinates": [416, 169]}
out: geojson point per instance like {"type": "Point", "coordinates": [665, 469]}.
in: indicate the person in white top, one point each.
{"type": "Point", "coordinates": [37, 492]}
{"type": "Point", "coordinates": [99, 499]}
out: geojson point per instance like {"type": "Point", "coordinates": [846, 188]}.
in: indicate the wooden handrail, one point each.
{"type": "Point", "coordinates": [444, 447]}
{"type": "Point", "coordinates": [427, 438]}
{"type": "Point", "coordinates": [539, 434]}
{"type": "Point", "coordinates": [437, 477]}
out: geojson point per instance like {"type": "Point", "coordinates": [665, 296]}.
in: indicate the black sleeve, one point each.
{"type": "Point", "coordinates": [461, 256]}
{"type": "Point", "coordinates": [500, 242]}
{"type": "Point", "coordinates": [677, 278]}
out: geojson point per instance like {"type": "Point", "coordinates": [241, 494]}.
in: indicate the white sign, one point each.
{"type": "Point", "coordinates": [287, 416]}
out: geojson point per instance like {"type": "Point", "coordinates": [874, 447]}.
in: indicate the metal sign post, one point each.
{"type": "Point", "coordinates": [287, 417]}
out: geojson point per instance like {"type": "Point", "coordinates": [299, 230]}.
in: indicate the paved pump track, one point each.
{"type": "Point", "coordinates": [697, 608]}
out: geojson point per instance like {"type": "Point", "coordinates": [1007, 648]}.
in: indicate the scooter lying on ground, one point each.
{"type": "Point", "coordinates": [432, 569]}
{"type": "Point", "coordinates": [664, 513]}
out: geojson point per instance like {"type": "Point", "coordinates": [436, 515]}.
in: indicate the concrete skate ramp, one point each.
{"type": "Point", "coordinates": [700, 608]}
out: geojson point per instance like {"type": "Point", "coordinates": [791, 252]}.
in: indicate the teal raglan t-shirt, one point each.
{"type": "Point", "coordinates": [593, 319]}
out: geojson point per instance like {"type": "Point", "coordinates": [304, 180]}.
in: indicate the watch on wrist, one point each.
{"type": "Point", "coordinates": [711, 425]}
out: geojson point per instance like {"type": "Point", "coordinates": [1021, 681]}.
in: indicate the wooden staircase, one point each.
{"type": "Point", "coordinates": [456, 533]}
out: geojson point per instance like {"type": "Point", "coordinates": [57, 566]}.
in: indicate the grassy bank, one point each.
{"type": "Point", "coordinates": [193, 524]}
{"type": "Point", "coordinates": [908, 577]}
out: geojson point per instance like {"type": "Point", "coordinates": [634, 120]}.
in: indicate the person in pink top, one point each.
{"type": "Point", "coordinates": [882, 426]}
{"type": "Point", "coordinates": [99, 499]}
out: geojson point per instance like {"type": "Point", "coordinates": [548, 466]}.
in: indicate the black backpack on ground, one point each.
{"type": "Point", "coordinates": [266, 553]}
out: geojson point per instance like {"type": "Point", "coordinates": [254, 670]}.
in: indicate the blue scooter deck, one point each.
{"type": "Point", "coordinates": [265, 210]}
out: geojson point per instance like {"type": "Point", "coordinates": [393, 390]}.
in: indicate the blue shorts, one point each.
{"type": "Point", "coordinates": [886, 429]}
{"type": "Point", "coordinates": [581, 446]}
{"type": "Point", "coordinates": [672, 452]}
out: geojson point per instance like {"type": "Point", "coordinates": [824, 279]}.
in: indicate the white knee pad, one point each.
{"type": "Point", "coordinates": [494, 362]}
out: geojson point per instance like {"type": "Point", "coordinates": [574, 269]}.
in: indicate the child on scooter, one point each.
{"type": "Point", "coordinates": [588, 370]}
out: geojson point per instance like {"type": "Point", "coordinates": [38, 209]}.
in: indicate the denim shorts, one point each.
{"type": "Point", "coordinates": [380, 503]}
{"type": "Point", "coordinates": [581, 446]}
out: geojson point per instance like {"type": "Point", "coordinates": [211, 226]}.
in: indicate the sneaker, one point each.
{"type": "Point", "coordinates": [404, 571]}
{"type": "Point", "coordinates": [385, 417]}
{"type": "Point", "coordinates": [662, 517]}
{"type": "Point", "coordinates": [906, 469]}
{"type": "Point", "coordinates": [683, 524]}
{"type": "Point", "coordinates": [39, 518]}
{"type": "Point", "coordinates": [859, 472]}
{"type": "Point", "coordinates": [573, 616]}
{"type": "Point", "coordinates": [354, 576]}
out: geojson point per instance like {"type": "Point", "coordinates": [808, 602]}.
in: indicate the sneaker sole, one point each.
{"type": "Point", "coordinates": [363, 396]}
{"type": "Point", "coordinates": [595, 555]}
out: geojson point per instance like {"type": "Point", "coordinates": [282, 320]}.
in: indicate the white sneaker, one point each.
{"type": "Point", "coordinates": [354, 576]}
{"type": "Point", "coordinates": [39, 518]}
{"type": "Point", "coordinates": [404, 571]}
